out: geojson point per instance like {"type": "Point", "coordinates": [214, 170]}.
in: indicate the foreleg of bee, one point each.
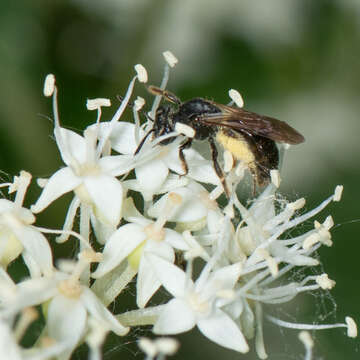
{"type": "Point", "coordinates": [184, 164]}
{"type": "Point", "coordinates": [142, 142]}
{"type": "Point", "coordinates": [218, 170]}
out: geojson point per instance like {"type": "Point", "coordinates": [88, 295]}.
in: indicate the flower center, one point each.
{"type": "Point", "coordinates": [209, 203]}
{"type": "Point", "coordinates": [70, 288]}
{"type": "Point", "coordinates": [82, 193]}
{"type": "Point", "coordinates": [88, 169]}
{"type": "Point", "coordinates": [197, 304]}
{"type": "Point", "coordinates": [154, 232]}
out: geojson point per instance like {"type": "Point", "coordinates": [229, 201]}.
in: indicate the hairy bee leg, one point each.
{"type": "Point", "coordinates": [142, 142]}
{"type": "Point", "coordinates": [218, 170]}
{"type": "Point", "coordinates": [184, 164]}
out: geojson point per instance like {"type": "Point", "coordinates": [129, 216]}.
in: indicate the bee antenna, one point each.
{"type": "Point", "coordinates": [169, 96]}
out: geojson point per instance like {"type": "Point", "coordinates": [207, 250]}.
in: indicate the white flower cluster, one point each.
{"type": "Point", "coordinates": [151, 223]}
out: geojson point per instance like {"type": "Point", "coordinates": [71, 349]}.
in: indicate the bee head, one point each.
{"type": "Point", "coordinates": [163, 123]}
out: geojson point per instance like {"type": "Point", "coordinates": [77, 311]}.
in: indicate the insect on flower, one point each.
{"type": "Point", "coordinates": [249, 137]}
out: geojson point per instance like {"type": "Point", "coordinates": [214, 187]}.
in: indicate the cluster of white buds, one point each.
{"type": "Point", "coordinates": [154, 225]}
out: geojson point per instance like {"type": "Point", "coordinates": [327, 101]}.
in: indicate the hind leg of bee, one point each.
{"type": "Point", "coordinates": [218, 170]}
{"type": "Point", "coordinates": [184, 164]}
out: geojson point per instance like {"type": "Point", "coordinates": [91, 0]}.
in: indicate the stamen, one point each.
{"type": "Point", "coordinates": [170, 58]}
{"type": "Point", "coordinates": [148, 347]}
{"type": "Point", "coordinates": [141, 73]}
{"type": "Point", "coordinates": [338, 192]}
{"type": "Point", "coordinates": [272, 264]}
{"type": "Point", "coordinates": [41, 182]}
{"type": "Point", "coordinates": [352, 328]}
{"type": "Point", "coordinates": [139, 103]}
{"type": "Point", "coordinates": [196, 250]}
{"type": "Point", "coordinates": [185, 130]}
{"type": "Point", "coordinates": [275, 177]}
{"type": "Point", "coordinates": [167, 345]}
{"type": "Point", "coordinates": [49, 85]}
{"type": "Point", "coordinates": [69, 220]}
{"type": "Point", "coordinates": [164, 82]}
{"type": "Point", "coordinates": [28, 316]}
{"type": "Point", "coordinates": [289, 325]}
{"type": "Point", "coordinates": [21, 184]}
{"type": "Point", "coordinates": [66, 233]}
{"type": "Point", "coordinates": [96, 104]}
{"type": "Point", "coordinates": [173, 200]}
{"type": "Point", "coordinates": [324, 282]}
{"type": "Point", "coordinates": [259, 338]}
{"type": "Point", "coordinates": [308, 342]}
{"type": "Point", "coordinates": [236, 97]}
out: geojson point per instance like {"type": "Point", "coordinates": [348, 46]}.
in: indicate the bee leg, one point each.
{"type": "Point", "coordinates": [255, 177]}
{"type": "Point", "coordinates": [218, 170]}
{"type": "Point", "coordinates": [142, 142]}
{"type": "Point", "coordinates": [184, 164]}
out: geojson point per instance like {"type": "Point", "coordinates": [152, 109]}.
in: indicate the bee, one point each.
{"type": "Point", "coordinates": [248, 136]}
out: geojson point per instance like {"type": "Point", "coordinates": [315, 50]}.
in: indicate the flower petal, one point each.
{"type": "Point", "coordinates": [151, 176]}
{"type": "Point", "coordinates": [132, 214]}
{"type": "Point", "coordinates": [147, 281]}
{"type": "Point", "coordinates": [123, 138]}
{"type": "Point", "coordinates": [9, 349]}
{"type": "Point", "coordinates": [177, 317]}
{"type": "Point", "coordinates": [97, 309]}
{"type": "Point", "coordinates": [172, 278]}
{"type": "Point", "coordinates": [107, 194]}
{"type": "Point", "coordinates": [60, 183]}
{"type": "Point", "coordinates": [191, 208]}
{"type": "Point", "coordinates": [222, 330]}
{"type": "Point", "coordinates": [71, 145]}
{"type": "Point", "coordinates": [36, 246]}
{"type": "Point", "coordinates": [28, 293]}
{"type": "Point", "coordinates": [224, 278]}
{"type": "Point", "coordinates": [176, 240]}
{"type": "Point", "coordinates": [66, 322]}
{"type": "Point", "coordinates": [117, 165]}
{"type": "Point", "coordinates": [121, 243]}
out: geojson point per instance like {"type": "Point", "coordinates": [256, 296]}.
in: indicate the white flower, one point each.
{"type": "Point", "coordinates": [196, 210]}
{"type": "Point", "coordinates": [154, 162]}
{"type": "Point", "coordinates": [199, 303]}
{"type": "Point", "coordinates": [261, 234]}
{"type": "Point", "coordinates": [9, 338]}
{"type": "Point", "coordinates": [69, 305]}
{"type": "Point", "coordinates": [19, 236]}
{"type": "Point", "coordinates": [132, 241]}
{"type": "Point", "coordinates": [90, 176]}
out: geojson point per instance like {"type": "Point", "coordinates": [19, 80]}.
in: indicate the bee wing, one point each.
{"type": "Point", "coordinates": [240, 119]}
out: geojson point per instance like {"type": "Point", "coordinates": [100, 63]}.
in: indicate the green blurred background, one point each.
{"type": "Point", "coordinates": [297, 60]}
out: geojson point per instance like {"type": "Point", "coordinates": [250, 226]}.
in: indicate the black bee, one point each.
{"type": "Point", "coordinates": [249, 137]}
